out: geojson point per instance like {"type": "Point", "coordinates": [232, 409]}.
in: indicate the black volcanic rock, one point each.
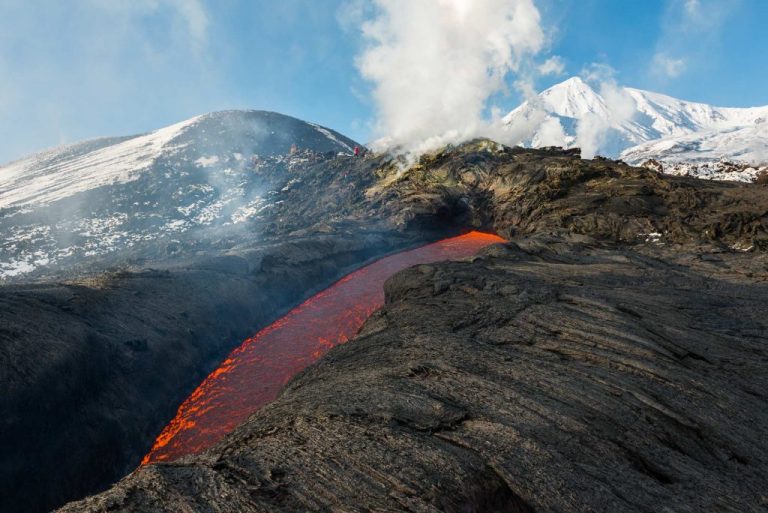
{"type": "Point", "coordinates": [516, 191]}
{"type": "Point", "coordinates": [616, 223]}
{"type": "Point", "coordinates": [548, 375]}
{"type": "Point", "coordinates": [163, 275]}
{"type": "Point", "coordinates": [92, 369]}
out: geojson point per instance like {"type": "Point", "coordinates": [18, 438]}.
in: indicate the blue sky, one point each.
{"type": "Point", "coordinates": [86, 68]}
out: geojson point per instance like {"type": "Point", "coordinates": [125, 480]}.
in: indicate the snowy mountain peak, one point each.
{"type": "Point", "coordinates": [573, 98]}
{"type": "Point", "coordinates": [610, 120]}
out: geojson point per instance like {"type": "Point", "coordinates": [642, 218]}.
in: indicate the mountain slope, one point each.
{"type": "Point", "coordinates": [70, 205]}
{"type": "Point", "coordinates": [106, 359]}
{"type": "Point", "coordinates": [58, 173]}
{"type": "Point", "coordinates": [609, 121]}
{"type": "Point", "coordinates": [733, 153]}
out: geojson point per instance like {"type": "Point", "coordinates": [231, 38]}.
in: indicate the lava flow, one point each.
{"type": "Point", "coordinates": [254, 373]}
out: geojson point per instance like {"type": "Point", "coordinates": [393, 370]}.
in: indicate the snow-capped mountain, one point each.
{"type": "Point", "coordinates": [613, 119]}
{"type": "Point", "coordinates": [95, 198]}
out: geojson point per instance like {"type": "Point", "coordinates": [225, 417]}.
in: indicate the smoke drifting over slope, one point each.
{"type": "Point", "coordinates": [594, 131]}
{"type": "Point", "coordinates": [434, 65]}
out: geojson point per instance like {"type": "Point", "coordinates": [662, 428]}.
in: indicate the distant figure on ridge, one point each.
{"type": "Point", "coordinates": [357, 151]}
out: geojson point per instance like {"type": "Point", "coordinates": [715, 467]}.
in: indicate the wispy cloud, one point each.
{"type": "Point", "coordinates": [689, 31]}
{"type": "Point", "coordinates": [191, 13]}
{"type": "Point", "coordinates": [693, 7]}
{"type": "Point", "coordinates": [351, 14]}
{"type": "Point", "coordinates": [598, 72]}
{"type": "Point", "coordinates": [667, 66]}
{"type": "Point", "coordinates": [552, 66]}
{"type": "Point", "coordinates": [194, 14]}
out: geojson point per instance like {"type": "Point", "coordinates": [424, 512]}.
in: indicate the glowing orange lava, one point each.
{"type": "Point", "coordinates": [254, 373]}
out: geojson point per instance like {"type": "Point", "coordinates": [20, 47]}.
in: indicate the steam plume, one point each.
{"type": "Point", "coordinates": [434, 64]}
{"type": "Point", "coordinates": [593, 132]}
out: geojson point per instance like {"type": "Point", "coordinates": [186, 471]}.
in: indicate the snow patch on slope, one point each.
{"type": "Point", "coordinates": [327, 133]}
{"type": "Point", "coordinates": [35, 181]}
{"type": "Point", "coordinates": [747, 144]}
{"type": "Point", "coordinates": [733, 153]}
{"type": "Point", "coordinates": [723, 170]}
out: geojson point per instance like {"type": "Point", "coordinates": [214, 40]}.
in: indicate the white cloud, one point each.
{"type": "Point", "coordinates": [552, 66]}
{"type": "Point", "coordinates": [598, 72]}
{"type": "Point", "coordinates": [668, 66]}
{"type": "Point", "coordinates": [435, 63]}
{"type": "Point", "coordinates": [693, 8]}
{"type": "Point", "coordinates": [526, 85]}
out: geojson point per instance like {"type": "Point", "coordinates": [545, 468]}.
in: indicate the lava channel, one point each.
{"type": "Point", "coordinates": [254, 373]}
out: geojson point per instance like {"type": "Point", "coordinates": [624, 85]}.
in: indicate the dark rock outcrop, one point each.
{"type": "Point", "coordinates": [515, 192]}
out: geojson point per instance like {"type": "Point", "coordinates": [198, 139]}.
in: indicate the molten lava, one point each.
{"type": "Point", "coordinates": [255, 372]}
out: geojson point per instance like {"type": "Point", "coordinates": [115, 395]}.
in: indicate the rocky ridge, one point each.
{"type": "Point", "coordinates": [514, 192]}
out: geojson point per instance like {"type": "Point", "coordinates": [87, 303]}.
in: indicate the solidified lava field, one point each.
{"type": "Point", "coordinates": [610, 357]}
{"type": "Point", "coordinates": [254, 373]}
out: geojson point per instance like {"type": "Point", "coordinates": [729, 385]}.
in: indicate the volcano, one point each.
{"type": "Point", "coordinates": [103, 202]}
{"type": "Point", "coordinates": [638, 126]}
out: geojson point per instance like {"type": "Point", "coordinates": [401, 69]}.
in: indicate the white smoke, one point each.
{"type": "Point", "coordinates": [591, 134]}
{"type": "Point", "coordinates": [435, 64]}
{"type": "Point", "coordinates": [594, 132]}
{"type": "Point", "coordinates": [551, 133]}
